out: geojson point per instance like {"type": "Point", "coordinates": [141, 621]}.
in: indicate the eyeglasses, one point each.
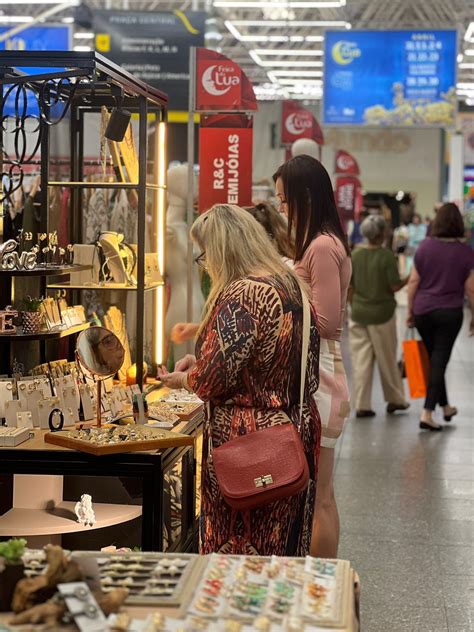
{"type": "Point", "coordinates": [201, 260]}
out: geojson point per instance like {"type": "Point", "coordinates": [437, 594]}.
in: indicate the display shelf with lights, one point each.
{"type": "Point", "coordinates": [65, 91]}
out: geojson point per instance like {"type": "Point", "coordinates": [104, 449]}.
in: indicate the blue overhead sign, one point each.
{"type": "Point", "coordinates": [391, 78]}
{"type": "Point", "coordinates": [38, 37]}
{"type": "Point", "coordinates": [47, 37]}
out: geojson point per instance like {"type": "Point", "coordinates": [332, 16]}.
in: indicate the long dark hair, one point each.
{"type": "Point", "coordinates": [275, 225]}
{"type": "Point", "coordinates": [448, 222]}
{"type": "Point", "coordinates": [312, 207]}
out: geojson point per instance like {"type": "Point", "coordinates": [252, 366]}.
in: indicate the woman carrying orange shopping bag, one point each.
{"type": "Point", "coordinates": [442, 274]}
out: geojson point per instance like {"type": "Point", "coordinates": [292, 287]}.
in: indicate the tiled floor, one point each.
{"type": "Point", "coordinates": [406, 500]}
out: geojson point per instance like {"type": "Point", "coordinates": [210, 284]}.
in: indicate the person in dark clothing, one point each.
{"type": "Point", "coordinates": [442, 275]}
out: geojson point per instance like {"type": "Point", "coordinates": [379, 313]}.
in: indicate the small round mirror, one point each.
{"type": "Point", "coordinates": [100, 352]}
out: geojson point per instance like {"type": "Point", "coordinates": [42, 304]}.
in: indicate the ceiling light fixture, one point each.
{"type": "Point", "coordinates": [270, 38]}
{"type": "Point", "coordinates": [82, 49]}
{"type": "Point", "coordinates": [68, 20]}
{"type": "Point", "coordinates": [287, 51]}
{"type": "Point", "coordinates": [15, 19]}
{"type": "Point", "coordinates": [275, 4]}
{"type": "Point", "coordinates": [294, 73]}
{"type": "Point", "coordinates": [84, 35]}
{"type": "Point", "coordinates": [469, 36]}
{"type": "Point", "coordinates": [301, 82]}
{"type": "Point", "coordinates": [289, 23]}
{"type": "Point", "coordinates": [459, 58]}
{"type": "Point", "coordinates": [466, 66]}
{"type": "Point", "coordinates": [469, 51]}
{"type": "Point", "coordinates": [465, 86]}
{"type": "Point", "coordinates": [286, 63]}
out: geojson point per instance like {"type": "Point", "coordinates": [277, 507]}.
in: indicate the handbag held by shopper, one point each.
{"type": "Point", "coordinates": [267, 465]}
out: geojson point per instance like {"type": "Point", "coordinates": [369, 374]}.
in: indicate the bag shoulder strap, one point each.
{"type": "Point", "coordinates": [304, 348]}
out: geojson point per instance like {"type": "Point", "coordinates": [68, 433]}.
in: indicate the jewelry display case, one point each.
{"type": "Point", "coordinates": [55, 99]}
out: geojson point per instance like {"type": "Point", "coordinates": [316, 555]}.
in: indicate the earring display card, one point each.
{"type": "Point", "coordinates": [32, 400]}
{"type": "Point", "coordinates": [67, 397]}
{"type": "Point", "coordinates": [43, 385]}
{"type": "Point", "coordinates": [66, 382]}
{"type": "Point", "coordinates": [116, 405]}
{"type": "Point", "coordinates": [82, 607]}
{"type": "Point", "coordinates": [45, 406]}
{"type": "Point", "coordinates": [70, 416]}
{"type": "Point", "coordinates": [24, 420]}
{"type": "Point", "coordinates": [6, 394]}
{"type": "Point", "coordinates": [24, 387]}
{"type": "Point", "coordinates": [12, 407]}
{"type": "Point", "coordinates": [151, 578]}
{"type": "Point", "coordinates": [89, 407]}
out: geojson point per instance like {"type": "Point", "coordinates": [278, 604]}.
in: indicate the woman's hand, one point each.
{"type": "Point", "coordinates": [186, 363]}
{"type": "Point", "coordinates": [173, 380]}
{"type": "Point", "coordinates": [183, 331]}
{"type": "Point", "coordinates": [410, 320]}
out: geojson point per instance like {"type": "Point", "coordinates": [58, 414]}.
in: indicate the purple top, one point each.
{"type": "Point", "coordinates": [443, 267]}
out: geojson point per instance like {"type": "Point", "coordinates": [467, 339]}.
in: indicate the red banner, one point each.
{"type": "Point", "coordinates": [221, 85]}
{"type": "Point", "coordinates": [296, 122]}
{"type": "Point", "coordinates": [348, 192]}
{"type": "Point", "coordinates": [225, 161]}
{"type": "Point", "coordinates": [345, 163]}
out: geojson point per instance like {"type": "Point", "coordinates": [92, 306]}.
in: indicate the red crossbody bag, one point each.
{"type": "Point", "coordinates": [267, 465]}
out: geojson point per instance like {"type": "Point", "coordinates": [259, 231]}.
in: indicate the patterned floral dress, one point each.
{"type": "Point", "coordinates": [248, 370]}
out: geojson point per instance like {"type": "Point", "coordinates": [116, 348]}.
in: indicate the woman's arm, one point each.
{"type": "Point", "coordinates": [325, 282]}
{"type": "Point", "coordinates": [413, 283]}
{"type": "Point", "coordinates": [469, 289]}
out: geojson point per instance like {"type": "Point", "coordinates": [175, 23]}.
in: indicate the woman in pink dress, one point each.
{"type": "Point", "coordinates": [322, 259]}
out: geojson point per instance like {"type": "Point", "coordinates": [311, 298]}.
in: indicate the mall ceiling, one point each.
{"type": "Point", "coordinates": [279, 42]}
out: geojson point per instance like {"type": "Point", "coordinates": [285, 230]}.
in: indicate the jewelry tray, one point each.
{"type": "Point", "coordinates": [164, 440]}
{"type": "Point", "coordinates": [141, 571]}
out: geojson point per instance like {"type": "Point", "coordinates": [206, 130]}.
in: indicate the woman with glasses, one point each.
{"type": "Point", "coordinates": [247, 367]}
{"type": "Point", "coordinates": [322, 260]}
{"type": "Point", "coordinates": [275, 227]}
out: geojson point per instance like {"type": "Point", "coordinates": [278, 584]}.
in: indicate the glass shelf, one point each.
{"type": "Point", "coordinates": [102, 286]}
{"type": "Point", "coordinates": [49, 271]}
{"type": "Point", "coordinates": [45, 335]}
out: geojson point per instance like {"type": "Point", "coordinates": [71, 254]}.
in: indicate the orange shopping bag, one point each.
{"type": "Point", "coordinates": [417, 367]}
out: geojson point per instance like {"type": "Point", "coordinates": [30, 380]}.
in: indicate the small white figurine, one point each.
{"type": "Point", "coordinates": [84, 512]}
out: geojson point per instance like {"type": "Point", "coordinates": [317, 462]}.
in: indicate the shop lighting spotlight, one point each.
{"type": "Point", "coordinates": [118, 121]}
{"type": "Point", "coordinates": [400, 195]}
{"type": "Point", "coordinates": [117, 125]}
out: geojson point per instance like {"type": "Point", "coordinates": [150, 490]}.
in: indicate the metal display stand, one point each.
{"type": "Point", "coordinates": [72, 85]}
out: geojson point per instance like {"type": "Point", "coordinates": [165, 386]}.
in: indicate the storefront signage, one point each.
{"type": "Point", "coordinates": [154, 47]}
{"type": "Point", "coordinates": [296, 122]}
{"type": "Point", "coordinates": [221, 85]}
{"type": "Point", "coordinates": [345, 163]}
{"type": "Point", "coordinates": [348, 191]}
{"type": "Point", "coordinates": [391, 78]}
{"type": "Point", "coordinates": [225, 162]}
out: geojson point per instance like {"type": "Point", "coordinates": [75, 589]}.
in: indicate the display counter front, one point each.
{"type": "Point", "coordinates": [216, 592]}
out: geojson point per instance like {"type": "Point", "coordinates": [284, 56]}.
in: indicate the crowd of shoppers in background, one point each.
{"type": "Point", "coordinates": [249, 343]}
